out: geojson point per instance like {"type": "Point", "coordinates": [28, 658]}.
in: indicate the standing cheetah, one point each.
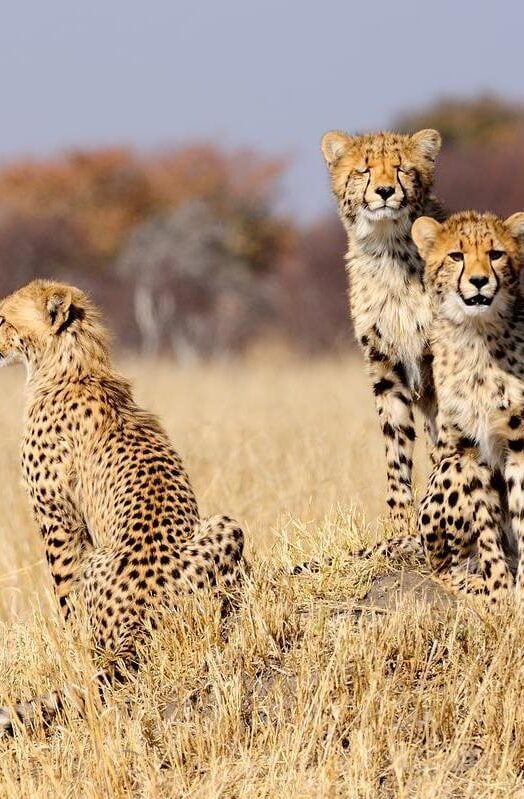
{"type": "Point", "coordinates": [382, 183]}
{"type": "Point", "coordinates": [110, 495]}
{"type": "Point", "coordinates": [473, 263]}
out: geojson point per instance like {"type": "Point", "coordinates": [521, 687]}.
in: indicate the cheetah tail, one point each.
{"type": "Point", "coordinates": [45, 708]}
{"type": "Point", "coordinates": [404, 545]}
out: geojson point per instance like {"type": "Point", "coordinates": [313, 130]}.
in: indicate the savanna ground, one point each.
{"type": "Point", "coordinates": [319, 689]}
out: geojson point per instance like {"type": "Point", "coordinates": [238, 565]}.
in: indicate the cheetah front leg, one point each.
{"type": "Point", "coordinates": [427, 404]}
{"type": "Point", "coordinates": [67, 546]}
{"type": "Point", "coordinates": [460, 522]}
{"type": "Point", "coordinates": [487, 523]}
{"type": "Point", "coordinates": [514, 475]}
{"type": "Point", "coordinates": [461, 516]}
{"type": "Point", "coordinates": [394, 403]}
{"type": "Point", "coordinates": [479, 506]}
{"type": "Point", "coordinates": [443, 525]}
{"type": "Point", "coordinates": [431, 521]}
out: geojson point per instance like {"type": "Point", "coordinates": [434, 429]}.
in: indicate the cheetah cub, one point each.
{"type": "Point", "coordinates": [382, 182]}
{"type": "Point", "coordinates": [110, 495]}
{"type": "Point", "coordinates": [472, 267]}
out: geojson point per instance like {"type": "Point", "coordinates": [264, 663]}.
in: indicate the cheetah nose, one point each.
{"type": "Point", "coordinates": [385, 191]}
{"type": "Point", "coordinates": [479, 280]}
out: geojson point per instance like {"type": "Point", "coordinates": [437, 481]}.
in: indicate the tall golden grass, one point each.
{"type": "Point", "coordinates": [309, 694]}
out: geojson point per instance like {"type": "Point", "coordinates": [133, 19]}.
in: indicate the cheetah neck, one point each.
{"type": "Point", "coordinates": [73, 357]}
{"type": "Point", "coordinates": [377, 238]}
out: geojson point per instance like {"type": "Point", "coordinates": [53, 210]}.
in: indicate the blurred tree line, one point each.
{"type": "Point", "coordinates": [482, 161]}
{"type": "Point", "coordinates": [186, 251]}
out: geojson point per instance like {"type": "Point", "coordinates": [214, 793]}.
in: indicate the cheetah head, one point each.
{"type": "Point", "coordinates": [380, 179]}
{"type": "Point", "coordinates": [472, 261]}
{"type": "Point", "coordinates": [35, 319]}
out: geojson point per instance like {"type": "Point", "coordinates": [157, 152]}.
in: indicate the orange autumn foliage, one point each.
{"type": "Point", "coordinates": [105, 193]}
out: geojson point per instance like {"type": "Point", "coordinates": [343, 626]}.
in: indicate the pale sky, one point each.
{"type": "Point", "coordinates": [269, 75]}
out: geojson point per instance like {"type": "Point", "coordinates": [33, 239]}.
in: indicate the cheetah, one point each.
{"type": "Point", "coordinates": [473, 263]}
{"type": "Point", "coordinates": [382, 182]}
{"type": "Point", "coordinates": [113, 503]}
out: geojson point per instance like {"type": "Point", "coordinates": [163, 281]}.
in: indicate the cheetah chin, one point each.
{"type": "Point", "coordinates": [385, 212]}
{"type": "Point", "coordinates": [456, 309]}
{"type": "Point", "coordinates": [476, 306]}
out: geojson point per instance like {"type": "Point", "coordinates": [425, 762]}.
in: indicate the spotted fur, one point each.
{"type": "Point", "coordinates": [473, 263]}
{"type": "Point", "coordinates": [110, 495]}
{"type": "Point", "coordinates": [382, 183]}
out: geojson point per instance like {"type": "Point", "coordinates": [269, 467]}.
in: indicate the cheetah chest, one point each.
{"type": "Point", "coordinates": [478, 397]}
{"type": "Point", "coordinates": [389, 305]}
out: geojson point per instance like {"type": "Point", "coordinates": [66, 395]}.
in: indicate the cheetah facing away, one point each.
{"type": "Point", "coordinates": [114, 506]}
{"type": "Point", "coordinates": [382, 183]}
{"type": "Point", "coordinates": [473, 263]}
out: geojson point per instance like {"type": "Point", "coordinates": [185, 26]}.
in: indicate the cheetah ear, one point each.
{"type": "Point", "coordinates": [515, 225]}
{"type": "Point", "coordinates": [58, 307]}
{"type": "Point", "coordinates": [428, 142]}
{"type": "Point", "coordinates": [333, 145]}
{"type": "Point", "coordinates": [424, 233]}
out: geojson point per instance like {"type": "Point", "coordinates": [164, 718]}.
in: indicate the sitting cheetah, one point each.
{"type": "Point", "coordinates": [472, 268]}
{"type": "Point", "coordinates": [478, 344]}
{"type": "Point", "coordinates": [382, 182]}
{"type": "Point", "coordinates": [113, 503]}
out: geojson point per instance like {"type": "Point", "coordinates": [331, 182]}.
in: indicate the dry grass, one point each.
{"type": "Point", "coordinates": [308, 697]}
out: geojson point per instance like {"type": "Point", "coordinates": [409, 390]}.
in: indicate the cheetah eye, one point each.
{"type": "Point", "coordinates": [362, 171]}
{"type": "Point", "coordinates": [494, 255]}
{"type": "Point", "coordinates": [2, 320]}
{"type": "Point", "coordinates": [456, 256]}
